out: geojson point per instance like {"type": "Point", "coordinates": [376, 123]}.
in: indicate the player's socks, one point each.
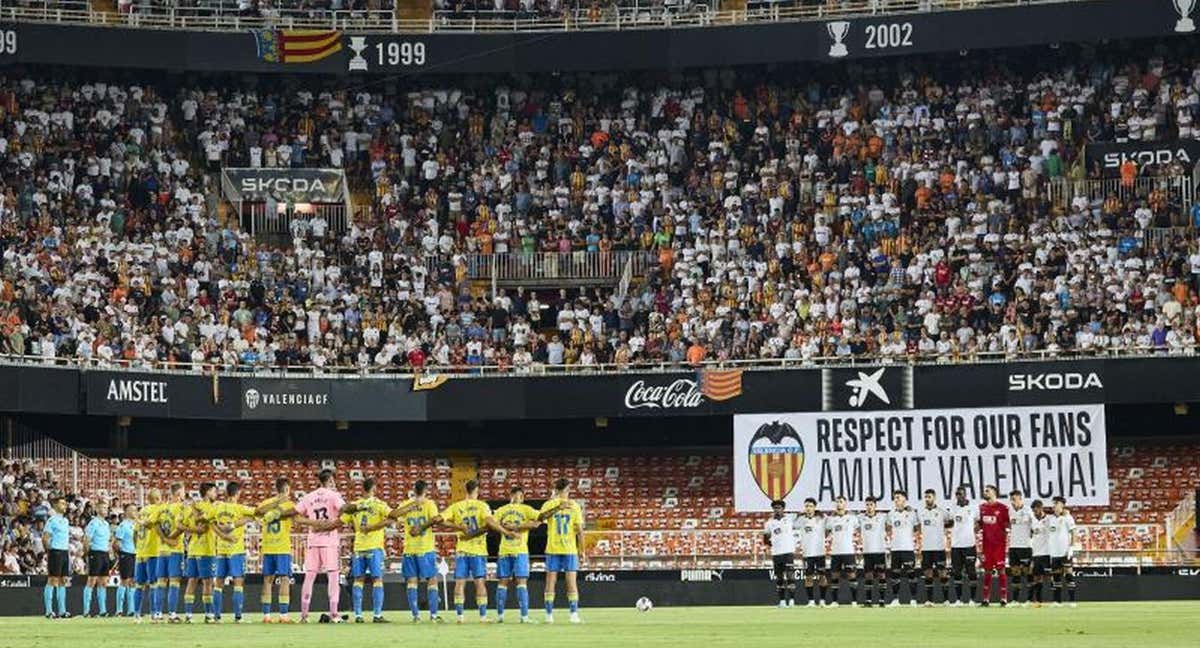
{"type": "Point", "coordinates": [156, 599]}
{"type": "Point", "coordinates": [459, 603]}
{"type": "Point", "coordinates": [1003, 586]}
{"type": "Point", "coordinates": [947, 593]}
{"type": "Point", "coordinates": [218, 601]}
{"type": "Point", "coordinates": [1058, 591]}
{"type": "Point", "coordinates": [266, 600]}
{"type": "Point", "coordinates": [208, 605]}
{"type": "Point", "coordinates": [550, 605]}
{"type": "Point", "coordinates": [377, 598]}
{"type": "Point", "coordinates": [573, 603]}
{"type": "Point", "coordinates": [435, 601]}
{"type": "Point", "coordinates": [306, 591]}
{"type": "Point", "coordinates": [102, 599]}
{"type": "Point", "coordinates": [1070, 588]}
{"type": "Point", "coordinates": [986, 594]}
{"type": "Point", "coordinates": [854, 591]}
{"type": "Point", "coordinates": [414, 605]}
{"type": "Point", "coordinates": [62, 600]}
{"type": "Point", "coordinates": [48, 599]}
{"type": "Point", "coordinates": [283, 603]}
{"type": "Point", "coordinates": [120, 602]}
{"type": "Point", "coordinates": [831, 592]}
{"type": "Point", "coordinates": [501, 599]}
{"type": "Point", "coordinates": [334, 590]}
{"type": "Point", "coordinates": [356, 596]}
{"type": "Point", "coordinates": [135, 600]}
{"type": "Point", "coordinates": [808, 589]}
{"type": "Point", "coordinates": [928, 590]}
{"type": "Point", "coordinates": [913, 578]}
{"type": "Point", "coordinates": [239, 601]}
{"type": "Point", "coordinates": [523, 600]}
{"type": "Point", "coordinates": [87, 599]}
{"type": "Point", "coordinates": [173, 596]}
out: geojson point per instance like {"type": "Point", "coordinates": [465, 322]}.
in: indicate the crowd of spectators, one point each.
{"type": "Point", "coordinates": [888, 211]}
{"type": "Point", "coordinates": [25, 496]}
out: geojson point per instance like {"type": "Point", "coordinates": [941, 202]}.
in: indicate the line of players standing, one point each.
{"type": "Point", "coordinates": [1038, 544]}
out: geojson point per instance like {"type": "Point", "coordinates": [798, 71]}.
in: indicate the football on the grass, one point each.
{"type": "Point", "coordinates": [644, 604]}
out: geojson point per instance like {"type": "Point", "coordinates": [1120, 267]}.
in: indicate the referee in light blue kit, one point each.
{"type": "Point", "coordinates": [98, 536]}
{"type": "Point", "coordinates": [56, 537]}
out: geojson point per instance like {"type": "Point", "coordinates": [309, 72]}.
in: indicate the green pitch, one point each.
{"type": "Point", "coordinates": [1091, 625]}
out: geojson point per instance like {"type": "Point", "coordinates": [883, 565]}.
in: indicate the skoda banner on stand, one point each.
{"type": "Point", "coordinates": [1043, 451]}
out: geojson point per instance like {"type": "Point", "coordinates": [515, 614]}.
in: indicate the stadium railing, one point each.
{"type": "Point", "coordinates": [1179, 187]}
{"type": "Point", "coordinates": [75, 471]}
{"type": "Point", "coordinates": [664, 366]}
{"type": "Point", "coordinates": [221, 18]}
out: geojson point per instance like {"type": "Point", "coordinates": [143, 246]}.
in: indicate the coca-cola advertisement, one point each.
{"type": "Point", "coordinates": [669, 394]}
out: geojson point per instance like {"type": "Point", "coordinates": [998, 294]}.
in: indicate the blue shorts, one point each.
{"type": "Point", "coordinates": [169, 566]}
{"type": "Point", "coordinates": [513, 566]}
{"type": "Point", "coordinates": [367, 563]}
{"type": "Point", "coordinates": [470, 567]}
{"type": "Point", "coordinates": [562, 562]}
{"type": "Point", "coordinates": [201, 567]}
{"type": "Point", "coordinates": [231, 566]}
{"type": "Point", "coordinates": [277, 564]}
{"type": "Point", "coordinates": [143, 571]}
{"type": "Point", "coordinates": [421, 566]}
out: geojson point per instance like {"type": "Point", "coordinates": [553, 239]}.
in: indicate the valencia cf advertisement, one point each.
{"type": "Point", "coordinates": [1044, 451]}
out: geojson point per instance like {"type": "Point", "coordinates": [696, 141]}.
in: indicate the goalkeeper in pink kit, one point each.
{"type": "Point", "coordinates": [322, 508]}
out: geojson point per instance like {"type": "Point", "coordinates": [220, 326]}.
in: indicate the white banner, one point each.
{"type": "Point", "coordinates": [1042, 451]}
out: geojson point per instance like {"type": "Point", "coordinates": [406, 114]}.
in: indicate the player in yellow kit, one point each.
{"type": "Point", "coordinates": [520, 518]}
{"type": "Point", "coordinates": [146, 557]}
{"type": "Point", "coordinates": [230, 518]}
{"type": "Point", "coordinates": [472, 518]}
{"type": "Point", "coordinates": [276, 549]}
{"type": "Point", "coordinates": [201, 552]}
{"type": "Point", "coordinates": [148, 525]}
{"type": "Point", "coordinates": [170, 523]}
{"type": "Point", "coordinates": [419, 515]}
{"type": "Point", "coordinates": [367, 516]}
{"type": "Point", "coordinates": [564, 546]}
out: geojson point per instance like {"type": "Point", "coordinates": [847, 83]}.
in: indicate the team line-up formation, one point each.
{"type": "Point", "coordinates": [1028, 544]}
{"type": "Point", "coordinates": [176, 545]}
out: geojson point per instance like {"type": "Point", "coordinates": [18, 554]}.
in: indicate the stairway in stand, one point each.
{"type": "Point", "coordinates": [463, 468]}
{"type": "Point", "coordinates": [411, 10]}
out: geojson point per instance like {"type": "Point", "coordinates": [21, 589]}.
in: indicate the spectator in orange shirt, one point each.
{"type": "Point", "coordinates": [696, 353]}
{"type": "Point", "coordinates": [1128, 173]}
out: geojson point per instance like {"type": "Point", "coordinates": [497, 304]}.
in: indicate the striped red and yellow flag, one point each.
{"type": "Point", "coordinates": [720, 384]}
{"type": "Point", "coordinates": [297, 45]}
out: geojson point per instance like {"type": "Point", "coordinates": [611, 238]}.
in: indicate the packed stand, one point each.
{"type": "Point", "coordinates": [578, 11]}
{"type": "Point", "coordinates": [25, 495]}
{"type": "Point", "coordinates": [901, 218]}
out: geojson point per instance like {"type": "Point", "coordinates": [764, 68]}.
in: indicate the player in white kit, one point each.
{"type": "Point", "coordinates": [934, 520]}
{"type": "Point", "coordinates": [323, 507]}
{"type": "Point", "coordinates": [963, 557]}
{"type": "Point", "coordinates": [1020, 546]}
{"type": "Point", "coordinates": [1040, 547]}
{"type": "Point", "coordinates": [779, 534]}
{"type": "Point", "coordinates": [812, 540]}
{"type": "Point", "coordinates": [1060, 531]}
{"type": "Point", "coordinates": [872, 528]}
{"type": "Point", "coordinates": [841, 525]}
{"type": "Point", "coordinates": [902, 523]}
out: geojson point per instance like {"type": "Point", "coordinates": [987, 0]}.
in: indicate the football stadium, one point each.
{"type": "Point", "coordinates": [599, 322]}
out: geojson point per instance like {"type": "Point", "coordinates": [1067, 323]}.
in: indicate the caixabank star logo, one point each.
{"type": "Point", "coordinates": [776, 459]}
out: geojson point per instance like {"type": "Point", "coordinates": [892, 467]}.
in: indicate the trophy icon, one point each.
{"type": "Point", "coordinates": [838, 30]}
{"type": "Point", "coordinates": [1184, 8]}
{"type": "Point", "coordinates": [357, 62]}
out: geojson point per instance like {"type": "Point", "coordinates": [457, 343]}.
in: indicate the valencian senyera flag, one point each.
{"type": "Point", "coordinates": [297, 45]}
